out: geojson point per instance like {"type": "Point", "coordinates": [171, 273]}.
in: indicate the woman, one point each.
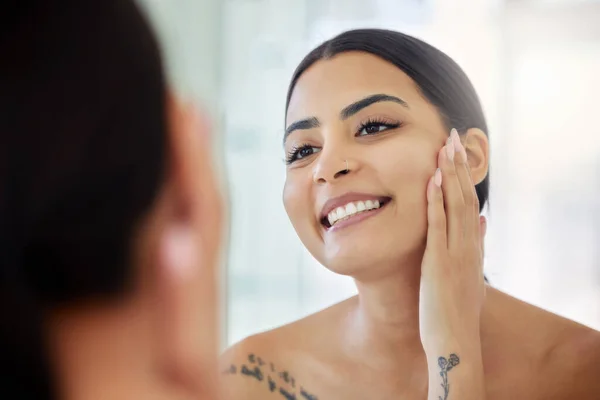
{"type": "Point", "coordinates": [110, 218]}
{"type": "Point", "coordinates": [370, 118]}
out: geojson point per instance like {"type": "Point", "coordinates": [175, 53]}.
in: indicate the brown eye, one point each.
{"type": "Point", "coordinates": [373, 128]}
{"type": "Point", "coordinates": [305, 152]}
{"type": "Point", "coordinates": [301, 152]}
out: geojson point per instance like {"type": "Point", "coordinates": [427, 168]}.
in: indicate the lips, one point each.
{"type": "Point", "coordinates": [350, 205]}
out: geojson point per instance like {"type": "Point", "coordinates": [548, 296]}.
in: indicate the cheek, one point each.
{"type": "Point", "coordinates": [406, 178]}
{"type": "Point", "coordinates": [408, 169]}
{"type": "Point", "coordinates": [296, 201]}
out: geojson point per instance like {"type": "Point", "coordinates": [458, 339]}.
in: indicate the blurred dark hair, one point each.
{"type": "Point", "coordinates": [82, 156]}
{"type": "Point", "coordinates": [441, 81]}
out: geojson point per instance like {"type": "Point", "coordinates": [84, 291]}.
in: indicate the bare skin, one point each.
{"type": "Point", "coordinates": [528, 353]}
{"type": "Point", "coordinates": [384, 343]}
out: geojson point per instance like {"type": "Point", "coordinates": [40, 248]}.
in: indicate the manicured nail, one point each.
{"type": "Point", "coordinates": [180, 250]}
{"type": "Point", "coordinates": [450, 149]}
{"type": "Point", "coordinates": [458, 146]}
{"type": "Point", "coordinates": [437, 178]}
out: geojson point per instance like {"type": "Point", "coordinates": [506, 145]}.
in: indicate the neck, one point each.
{"type": "Point", "coordinates": [386, 316]}
{"type": "Point", "coordinates": [383, 324]}
{"type": "Point", "coordinates": [102, 352]}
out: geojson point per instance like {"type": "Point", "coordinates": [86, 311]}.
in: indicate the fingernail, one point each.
{"type": "Point", "coordinates": [450, 149]}
{"type": "Point", "coordinates": [180, 250]}
{"type": "Point", "coordinates": [437, 178]}
{"type": "Point", "coordinates": [458, 144]}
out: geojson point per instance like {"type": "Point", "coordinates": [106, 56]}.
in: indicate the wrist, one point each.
{"type": "Point", "coordinates": [458, 369]}
{"type": "Point", "coordinates": [465, 381]}
{"type": "Point", "coordinates": [465, 353]}
{"type": "Point", "coordinates": [464, 340]}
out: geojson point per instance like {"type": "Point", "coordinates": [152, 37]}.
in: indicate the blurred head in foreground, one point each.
{"type": "Point", "coordinates": [109, 212]}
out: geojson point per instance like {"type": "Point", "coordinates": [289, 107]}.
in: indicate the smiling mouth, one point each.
{"type": "Point", "coordinates": [353, 209]}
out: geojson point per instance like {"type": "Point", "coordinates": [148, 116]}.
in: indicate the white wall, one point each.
{"type": "Point", "coordinates": [537, 82]}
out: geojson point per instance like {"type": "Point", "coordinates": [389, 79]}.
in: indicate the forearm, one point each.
{"type": "Point", "coordinates": [455, 372]}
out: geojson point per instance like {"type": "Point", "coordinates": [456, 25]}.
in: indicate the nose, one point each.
{"type": "Point", "coordinates": [329, 168]}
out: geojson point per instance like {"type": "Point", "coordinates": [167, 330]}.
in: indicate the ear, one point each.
{"type": "Point", "coordinates": [477, 146]}
{"type": "Point", "coordinates": [189, 250]}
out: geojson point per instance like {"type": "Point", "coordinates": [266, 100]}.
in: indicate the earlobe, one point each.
{"type": "Point", "coordinates": [476, 144]}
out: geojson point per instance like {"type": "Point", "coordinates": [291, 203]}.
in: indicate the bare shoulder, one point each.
{"type": "Point", "coordinates": [270, 364]}
{"type": "Point", "coordinates": [574, 363]}
{"type": "Point", "coordinates": [301, 336]}
{"type": "Point", "coordinates": [245, 370]}
{"type": "Point", "coordinates": [557, 357]}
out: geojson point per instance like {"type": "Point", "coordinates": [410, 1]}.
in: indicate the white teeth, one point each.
{"type": "Point", "coordinates": [351, 209]}
{"type": "Point", "coordinates": [360, 206]}
{"type": "Point", "coordinates": [332, 218]}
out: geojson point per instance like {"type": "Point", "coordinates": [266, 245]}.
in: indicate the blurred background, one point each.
{"type": "Point", "coordinates": [536, 67]}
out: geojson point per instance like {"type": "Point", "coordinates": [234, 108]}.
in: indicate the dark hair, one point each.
{"type": "Point", "coordinates": [82, 157]}
{"type": "Point", "coordinates": [441, 81]}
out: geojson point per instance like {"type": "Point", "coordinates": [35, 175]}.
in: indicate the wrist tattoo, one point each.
{"type": "Point", "coordinates": [445, 366]}
{"type": "Point", "coordinates": [257, 369]}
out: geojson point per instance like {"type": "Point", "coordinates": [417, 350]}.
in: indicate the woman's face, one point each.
{"type": "Point", "coordinates": [361, 112]}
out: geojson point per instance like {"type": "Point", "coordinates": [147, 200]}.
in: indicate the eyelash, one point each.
{"type": "Point", "coordinates": [388, 124]}
{"type": "Point", "coordinates": [292, 155]}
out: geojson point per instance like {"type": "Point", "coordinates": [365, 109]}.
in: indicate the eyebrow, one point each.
{"type": "Point", "coordinates": [366, 102]}
{"type": "Point", "coordinates": [307, 123]}
{"type": "Point", "coordinates": [347, 112]}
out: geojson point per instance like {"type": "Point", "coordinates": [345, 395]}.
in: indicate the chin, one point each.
{"type": "Point", "coordinates": [374, 259]}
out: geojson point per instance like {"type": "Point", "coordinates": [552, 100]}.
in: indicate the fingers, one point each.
{"type": "Point", "coordinates": [209, 192]}
{"type": "Point", "coordinates": [209, 222]}
{"type": "Point", "coordinates": [469, 195]}
{"type": "Point", "coordinates": [482, 232]}
{"type": "Point", "coordinates": [436, 217]}
{"type": "Point", "coordinates": [191, 256]}
{"type": "Point", "coordinates": [179, 278]}
{"type": "Point", "coordinates": [460, 198]}
{"type": "Point", "coordinates": [453, 195]}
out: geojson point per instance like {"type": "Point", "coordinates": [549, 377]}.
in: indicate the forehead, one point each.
{"type": "Point", "coordinates": [330, 85]}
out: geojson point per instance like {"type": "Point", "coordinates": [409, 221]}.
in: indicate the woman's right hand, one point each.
{"type": "Point", "coordinates": [192, 338]}
{"type": "Point", "coordinates": [452, 283]}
